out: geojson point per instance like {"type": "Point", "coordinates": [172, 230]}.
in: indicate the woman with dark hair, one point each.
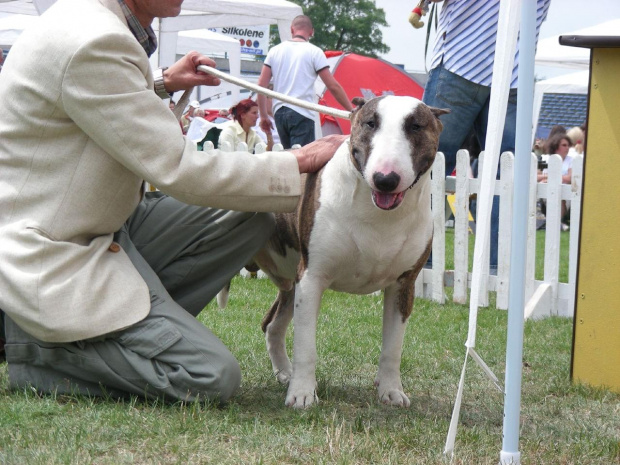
{"type": "Point", "coordinates": [245, 115]}
{"type": "Point", "coordinates": [560, 144]}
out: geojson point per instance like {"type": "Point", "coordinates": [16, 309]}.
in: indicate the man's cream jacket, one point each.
{"type": "Point", "coordinates": [80, 130]}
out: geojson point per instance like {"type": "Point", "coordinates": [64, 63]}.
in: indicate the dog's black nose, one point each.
{"type": "Point", "coordinates": [386, 183]}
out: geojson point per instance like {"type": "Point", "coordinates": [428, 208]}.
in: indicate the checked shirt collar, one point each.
{"type": "Point", "coordinates": [146, 37]}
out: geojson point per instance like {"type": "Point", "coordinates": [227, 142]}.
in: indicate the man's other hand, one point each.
{"type": "Point", "coordinates": [314, 156]}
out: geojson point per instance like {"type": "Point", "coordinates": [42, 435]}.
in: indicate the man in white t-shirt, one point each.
{"type": "Point", "coordinates": [294, 66]}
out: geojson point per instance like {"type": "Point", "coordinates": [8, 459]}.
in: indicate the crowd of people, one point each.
{"type": "Point", "coordinates": [566, 144]}
{"type": "Point", "coordinates": [290, 68]}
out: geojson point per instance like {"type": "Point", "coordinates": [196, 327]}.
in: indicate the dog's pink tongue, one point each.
{"type": "Point", "coordinates": [387, 201]}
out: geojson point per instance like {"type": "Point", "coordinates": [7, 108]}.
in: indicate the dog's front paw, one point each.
{"type": "Point", "coordinates": [394, 397]}
{"type": "Point", "coordinates": [392, 394]}
{"type": "Point", "coordinates": [300, 397]}
{"type": "Point", "coordinates": [283, 375]}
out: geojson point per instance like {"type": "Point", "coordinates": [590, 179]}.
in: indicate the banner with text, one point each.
{"type": "Point", "coordinates": [254, 40]}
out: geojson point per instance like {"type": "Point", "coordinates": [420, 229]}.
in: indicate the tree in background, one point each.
{"type": "Point", "coordinates": [346, 25]}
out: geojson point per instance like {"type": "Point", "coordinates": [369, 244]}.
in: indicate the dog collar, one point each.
{"type": "Point", "coordinates": [417, 178]}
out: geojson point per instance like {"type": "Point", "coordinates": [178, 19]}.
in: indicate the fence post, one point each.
{"type": "Point", "coordinates": [439, 227]}
{"type": "Point", "coordinates": [483, 298]}
{"type": "Point", "coordinates": [575, 221]}
{"type": "Point", "coordinates": [552, 228]}
{"type": "Point", "coordinates": [530, 263]}
{"type": "Point", "coordinates": [461, 228]}
{"type": "Point", "coordinates": [505, 229]}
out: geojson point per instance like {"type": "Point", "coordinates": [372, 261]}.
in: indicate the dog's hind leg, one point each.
{"type": "Point", "coordinates": [397, 306]}
{"type": "Point", "coordinates": [274, 325]}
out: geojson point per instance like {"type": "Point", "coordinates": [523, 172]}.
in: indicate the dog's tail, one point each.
{"type": "Point", "coordinates": [222, 296]}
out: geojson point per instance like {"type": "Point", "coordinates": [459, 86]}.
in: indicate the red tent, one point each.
{"type": "Point", "coordinates": [362, 77]}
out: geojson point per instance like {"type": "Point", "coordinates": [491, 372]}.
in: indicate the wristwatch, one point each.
{"type": "Point", "coordinates": [160, 89]}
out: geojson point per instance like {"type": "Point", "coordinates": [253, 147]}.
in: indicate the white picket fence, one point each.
{"type": "Point", "coordinates": [242, 147]}
{"type": "Point", "coordinates": [544, 298]}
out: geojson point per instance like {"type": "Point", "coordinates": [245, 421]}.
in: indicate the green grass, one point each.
{"type": "Point", "coordinates": [562, 423]}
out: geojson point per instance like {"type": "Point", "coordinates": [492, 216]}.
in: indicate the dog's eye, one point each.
{"type": "Point", "coordinates": [370, 123]}
{"type": "Point", "coordinates": [413, 127]}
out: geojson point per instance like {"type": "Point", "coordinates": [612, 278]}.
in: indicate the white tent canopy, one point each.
{"type": "Point", "coordinates": [551, 53]}
{"type": "Point", "coordinates": [202, 40]}
{"type": "Point", "coordinates": [573, 83]}
{"type": "Point", "coordinates": [198, 14]}
{"type": "Point", "coordinates": [180, 34]}
{"type": "Point", "coordinates": [205, 41]}
{"type": "Point", "coordinates": [11, 26]}
{"type": "Point", "coordinates": [22, 7]}
{"type": "Point", "coordinates": [208, 42]}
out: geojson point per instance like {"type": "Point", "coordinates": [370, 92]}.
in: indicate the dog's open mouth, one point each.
{"type": "Point", "coordinates": [387, 201]}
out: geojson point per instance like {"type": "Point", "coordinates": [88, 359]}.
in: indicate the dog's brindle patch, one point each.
{"type": "Point", "coordinates": [293, 229]}
{"type": "Point", "coordinates": [284, 299]}
{"type": "Point", "coordinates": [425, 141]}
{"type": "Point", "coordinates": [286, 235]}
{"type": "Point", "coordinates": [309, 204]}
{"type": "Point", "coordinates": [406, 282]}
{"type": "Point", "coordinates": [366, 117]}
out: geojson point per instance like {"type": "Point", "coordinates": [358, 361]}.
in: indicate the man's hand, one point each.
{"type": "Point", "coordinates": [314, 156]}
{"type": "Point", "coordinates": [183, 74]}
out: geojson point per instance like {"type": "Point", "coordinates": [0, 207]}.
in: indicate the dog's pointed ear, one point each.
{"type": "Point", "coordinates": [437, 112]}
{"type": "Point", "coordinates": [358, 102]}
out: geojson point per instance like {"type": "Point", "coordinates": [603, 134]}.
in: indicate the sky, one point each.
{"type": "Point", "coordinates": [407, 43]}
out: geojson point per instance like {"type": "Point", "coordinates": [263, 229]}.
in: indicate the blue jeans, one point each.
{"type": "Point", "coordinates": [469, 106]}
{"type": "Point", "coordinates": [293, 128]}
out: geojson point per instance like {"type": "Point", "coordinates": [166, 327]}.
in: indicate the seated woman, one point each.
{"type": "Point", "coordinates": [577, 137]}
{"type": "Point", "coordinates": [245, 115]}
{"type": "Point", "coordinates": [560, 144]}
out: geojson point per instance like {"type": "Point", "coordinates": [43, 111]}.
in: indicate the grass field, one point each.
{"type": "Point", "coordinates": [562, 423]}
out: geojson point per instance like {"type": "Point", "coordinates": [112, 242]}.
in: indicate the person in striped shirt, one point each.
{"type": "Point", "coordinates": [460, 80]}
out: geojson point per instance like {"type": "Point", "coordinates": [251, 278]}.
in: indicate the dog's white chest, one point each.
{"type": "Point", "coordinates": [357, 247]}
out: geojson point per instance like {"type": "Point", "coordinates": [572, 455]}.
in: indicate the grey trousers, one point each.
{"type": "Point", "coordinates": [186, 254]}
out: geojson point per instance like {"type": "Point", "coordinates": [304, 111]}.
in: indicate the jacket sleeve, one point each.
{"type": "Point", "coordinates": [107, 90]}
